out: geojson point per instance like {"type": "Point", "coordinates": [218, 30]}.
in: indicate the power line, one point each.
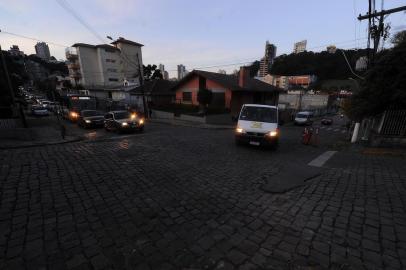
{"type": "Point", "coordinates": [35, 39]}
{"type": "Point", "coordinates": [65, 5]}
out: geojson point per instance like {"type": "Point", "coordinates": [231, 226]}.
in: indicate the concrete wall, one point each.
{"type": "Point", "coordinates": [308, 101]}
{"type": "Point", "coordinates": [89, 67]}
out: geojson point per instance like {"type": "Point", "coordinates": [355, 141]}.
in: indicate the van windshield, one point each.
{"type": "Point", "coordinates": [259, 114]}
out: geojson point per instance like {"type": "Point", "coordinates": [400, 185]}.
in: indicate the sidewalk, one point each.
{"type": "Point", "coordinates": [189, 124]}
{"type": "Point", "coordinates": [38, 134]}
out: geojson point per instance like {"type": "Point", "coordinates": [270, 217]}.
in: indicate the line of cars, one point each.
{"type": "Point", "coordinates": [118, 121]}
{"type": "Point", "coordinates": [39, 106]}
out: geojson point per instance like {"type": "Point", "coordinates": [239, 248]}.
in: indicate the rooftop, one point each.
{"type": "Point", "coordinates": [126, 41]}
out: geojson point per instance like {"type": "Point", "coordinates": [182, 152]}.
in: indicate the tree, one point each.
{"type": "Point", "coordinates": [151, 73]}
{"type": "Point", "coordinates": [399, 38]}
{"type": "Point", "coordinates": [384, 85]}
{"type": "Point", "coordinates": [204, 97]}
{"type": "Point", "coordinates": [254, 68]}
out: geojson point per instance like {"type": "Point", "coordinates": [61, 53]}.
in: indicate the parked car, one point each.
{"type": "Point", "coordinates": [304, 118]}
{"type": "Point", "coordinates": [258, 125]}
{"type": "Point", "coordinates": [123, 121]}
{"type": "Point", "coordinates": [45, 103]}
{"type": "Point", "coordinates": [39, 110]}
{"type": "Point", "coordinates": [326, 121]}
{"type": "Point", "coordinates": [91, 118]}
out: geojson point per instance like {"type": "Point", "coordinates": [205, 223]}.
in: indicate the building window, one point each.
{"type": "Point", "coordinates": [113, 80]}
{"type": "Point", "coordinates": [187, 96]}
{"type": "Point", "coordinates": [111, 70]}
{"type": "Point", "coordinates": [110, 60]}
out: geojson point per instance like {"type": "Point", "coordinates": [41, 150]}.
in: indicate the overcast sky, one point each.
{"type": "Point", "coordinates": [196, 33]}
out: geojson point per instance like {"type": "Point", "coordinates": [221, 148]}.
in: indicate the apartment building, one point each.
{"type": "Point", "coordinates": [42, 50]}
{"type": "Point", "coordinates": [300, 46]}
{"type": "Point", "coordinates": [104, 65]}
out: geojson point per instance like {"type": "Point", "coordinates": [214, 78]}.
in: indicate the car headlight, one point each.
{"type": "Point", "coordinates": [74, 114]}
{"type": "Point", "coordinates": [273, 133]}
{"type": "Point", "coordinates": [141, 121]}
{"type": "Point", "coordinates": [239, 130]}
{"type": "Point", "coordinates": [88, 121]}
{"type": "Point", "coordinates": [133, 116]}
{"type": "Point", "coordinates": [124, 124]}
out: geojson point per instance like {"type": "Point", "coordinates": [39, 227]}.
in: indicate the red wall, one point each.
{"type": "Point", "coordinates": [193, 85]}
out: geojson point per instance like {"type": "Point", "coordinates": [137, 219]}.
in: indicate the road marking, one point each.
{"type": "Point", "coordinates": [320, 160]}
{"type": "Point", "coordinates": [343, 131]}
{"type": "Point", "coordinates": [329, 128]}
{"type": "Point", "coordinates": [336, 129]}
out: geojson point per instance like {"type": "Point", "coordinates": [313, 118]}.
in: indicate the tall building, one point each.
{"type": "Point", "coordinates": [331, 49]}
{"type": "Point", "coordinates": [15, 51]}
{"type": "Point", "coordinates": [98, 66]}
{"type": "Point", "coordinates": [42, 50]}
{"type": "Point", "coordinates": [268, 59]}
{"type": "Point", "coordinates": [300, 46]}
{"type": "Point", "coordinates": [165, 74]}
{"type": "Point", "coordinates": [181, 71]}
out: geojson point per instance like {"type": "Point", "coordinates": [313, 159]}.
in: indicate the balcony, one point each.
{"type": "Point", "coordinates": [73, 66]}
{"type": "Point", "coordinates": [71, 53]}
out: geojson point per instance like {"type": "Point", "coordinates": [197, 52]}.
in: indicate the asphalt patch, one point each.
{"type": "Point", "coordinates": [290, 177]}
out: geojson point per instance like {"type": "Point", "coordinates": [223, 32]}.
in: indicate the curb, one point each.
{"type": "Point", "coordinates": [77, 139]}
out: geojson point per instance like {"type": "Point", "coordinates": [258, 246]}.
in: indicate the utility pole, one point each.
{"type": "Point", "coordinates": [376, 26]}
{"type": "Point", "coordinates": [146, 114]}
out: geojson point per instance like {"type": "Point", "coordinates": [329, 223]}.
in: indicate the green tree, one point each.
{"type": "Point", "coordinates": [384, 86]}
{"type": "Point", "coordinates": [151, 72]}
{"type": "Point", "coordinates": [204, 97]}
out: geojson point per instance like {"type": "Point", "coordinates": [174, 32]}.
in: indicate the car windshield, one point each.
{"type": "Point", "coordinates": [302, 115]}
{"type": "Point", "coordinates": [260, 114]}
{"type": "Point", "coordinates": [90, 113]}
{"type": "Point", "coordinates": [122, 115]}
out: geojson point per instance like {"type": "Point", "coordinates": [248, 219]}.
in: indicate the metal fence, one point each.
{"type": "Point", "coordinates": [393, 123]}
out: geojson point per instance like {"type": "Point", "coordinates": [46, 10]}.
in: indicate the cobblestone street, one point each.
{"type": "Point", "coordinates": [188, 198]}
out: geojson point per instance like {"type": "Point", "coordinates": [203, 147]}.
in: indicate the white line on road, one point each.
{"type": "Point", "coordinates": [336, 129]}
{"type": "Point", "coordinates": [343, 131]}
{"type": "Point", "coordinates": [329, 129]}
{"type": "Point", "coordinates": [320, 160]}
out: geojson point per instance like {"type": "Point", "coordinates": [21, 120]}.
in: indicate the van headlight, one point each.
{"type": "Point", "coordinates": [239, 130]}
{"type": "Point", "coordinates": [124, 124]}
{"type": "Point", "coordinates": [88, 121]}
{"type": "Point", "coordinates": [272, 133]}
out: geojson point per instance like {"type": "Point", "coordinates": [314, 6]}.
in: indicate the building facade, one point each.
{"type": "Point", "coordinates": [42, 51]}
{"type": "Point", "coordinates": [331, 49]}
{"type": "Point", "coordinates": [300, 46]}
{"type": "Point", "coordinates": [289, 82]}
{"type": "Point", "coordinates": [100, 66]}
{"type": "Point", "coordinates": [181, 72]}
{"type": "Point", "coordinates": [268, 59]}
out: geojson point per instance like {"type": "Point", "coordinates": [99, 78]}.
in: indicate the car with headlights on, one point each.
{"type": "Point", "coordinates": [122, 121]}
{"type": "Point", "coordinates": [258, 125]}
{"type": "Point", "coordinates": [91, 119]}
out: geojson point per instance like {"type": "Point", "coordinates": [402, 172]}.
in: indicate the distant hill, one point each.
{"type": "Point", "coordinates": [324, 65]}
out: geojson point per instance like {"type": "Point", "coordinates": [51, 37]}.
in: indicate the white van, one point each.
{"type": "Point", "coordinates": [304, 118]}
{"type": "Point", "coordinates": [258, 125]}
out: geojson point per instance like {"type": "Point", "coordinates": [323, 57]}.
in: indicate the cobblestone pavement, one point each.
{"type": "Point", "coordinates": [184, 198]}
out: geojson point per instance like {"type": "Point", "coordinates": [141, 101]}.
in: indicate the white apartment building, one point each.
{"type": "Point", "coordinates": [300, 46]}
{"type": "Point", "coordinates": [105, 66]}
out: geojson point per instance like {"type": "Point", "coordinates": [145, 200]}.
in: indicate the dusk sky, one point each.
{"type": "Point", "coordinates": [194, 33]}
